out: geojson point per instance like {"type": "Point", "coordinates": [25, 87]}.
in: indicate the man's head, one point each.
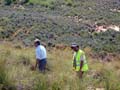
{"type": "Point", "coordinates": [36, 42]}
{"type": "Point", "coordinates": [75, 47]}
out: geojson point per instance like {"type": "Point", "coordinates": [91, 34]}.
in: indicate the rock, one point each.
{"type": "Point", "coordinates": [100, 29]}
{"type": "Point", "coordinates": [100, 89]}
{"type": "Point", "coordinates": [18, 7]}
{"type": "Point", "coordinates": [90, 88]}
{"type": "Point", "coordinates": [114, 27]}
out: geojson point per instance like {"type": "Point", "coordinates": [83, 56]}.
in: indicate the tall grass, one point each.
{"type": "Point", "coordinates": [3, 76]}
{"type": "Point", "coordinates": [60, 77]}
{"type": "Point", "coordinates": [5, 83]}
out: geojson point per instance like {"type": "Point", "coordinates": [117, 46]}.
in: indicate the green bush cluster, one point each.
{"type": "Point", "coordinates": [9, 2]}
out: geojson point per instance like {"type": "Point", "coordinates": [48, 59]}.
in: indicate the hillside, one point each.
{"type": "Point", "coordinates": [62, 21]}
{"type": "Point", "coordinates": [93, 24]}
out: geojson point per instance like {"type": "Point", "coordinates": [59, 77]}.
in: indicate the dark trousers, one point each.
{"type": "Point", "coordinates": [42, 65]}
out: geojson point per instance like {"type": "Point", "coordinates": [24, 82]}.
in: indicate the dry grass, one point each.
{"type": "Point", "coordinates": [17, 64]}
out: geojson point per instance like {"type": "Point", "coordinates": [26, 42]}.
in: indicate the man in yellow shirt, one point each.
{"type": "Point", "coordinates": [79, 60]}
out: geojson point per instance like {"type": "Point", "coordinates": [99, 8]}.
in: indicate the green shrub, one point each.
{"type": "Point", "coordinates": [8, 2]}
{"type": "Point", "coordinates": [69, 2]}
{"type": "Point", "coordinates": [26, 1]}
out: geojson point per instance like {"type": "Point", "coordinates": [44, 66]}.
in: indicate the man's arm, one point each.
{"type": "Point", "coordinates": [81, 65]}
{"type": "Point", "coordinates": [36, 63]}
{"type": "Point", "coordinates": [81, 62]}
{"type": "Point", "coordinates": [37, 57]}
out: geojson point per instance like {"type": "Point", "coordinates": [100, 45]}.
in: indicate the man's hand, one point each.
{"type": "Point", "coordinates": [36, 64]}
{"type": "Point", "coordinates": [32, 67]}
{"type": "Point", "coordinates": [79, 74]}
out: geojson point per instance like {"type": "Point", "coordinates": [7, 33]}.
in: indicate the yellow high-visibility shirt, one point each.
{"type": "Point", "coordinates": [78, 57]}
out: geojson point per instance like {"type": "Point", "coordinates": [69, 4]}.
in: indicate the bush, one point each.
{"type": "Point", "coordinates": [8, 2]}
{"type": "Point", "coordinates": [24, 1]}
{"type": "Point", "coordinates": [69, 2]}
